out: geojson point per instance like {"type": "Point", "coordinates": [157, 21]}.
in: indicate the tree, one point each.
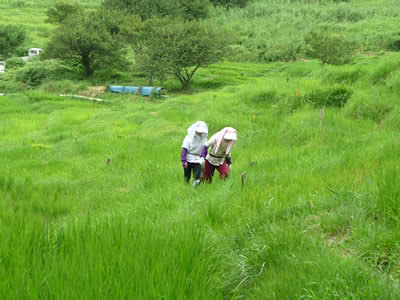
{"type": "Point", "coordinates": [59, 13]}
{"type": "Point", "coordinates": [190, 10]}
{"type": "Point", "coordinates": [11, 38]}
{"type": "Point", "coordinates": [85, 38]}
{"type": "Point", "coordinates": [171, 46]}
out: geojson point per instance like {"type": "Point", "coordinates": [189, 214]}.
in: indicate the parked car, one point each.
{"type": "Point", "coordinates": [34, 51]}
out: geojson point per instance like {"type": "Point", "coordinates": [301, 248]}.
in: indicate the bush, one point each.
{"type": "Point", "coordinates": [14, 63]}
{"type": "Point", "coordinates": [35, 72]}
{"type": "Point", "coordinates": [330, 49]}
{"type": "Point", "coordinates": [229, 3]}
{"type": "Point", "coordinates": [332, 96]}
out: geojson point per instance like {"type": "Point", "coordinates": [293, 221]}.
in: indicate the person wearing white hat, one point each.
{"type": "Point", "coordinates": [192, 146]}
{"type": "Point", "coordinates": [219, 154]}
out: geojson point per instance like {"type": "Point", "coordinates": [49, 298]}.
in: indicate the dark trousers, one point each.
{"type": "Point", "coordinates": [194, 168]}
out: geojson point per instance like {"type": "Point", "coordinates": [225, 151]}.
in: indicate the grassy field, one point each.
{"type": "Point", "coordinates": [93, 203]}
{"type": "Point", "coordinates": [316, 219]}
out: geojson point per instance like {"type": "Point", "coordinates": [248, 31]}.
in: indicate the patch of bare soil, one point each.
{"type": "Point", "coordinates": [94, 91]}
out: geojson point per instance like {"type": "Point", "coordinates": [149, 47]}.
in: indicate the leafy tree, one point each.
{"type": "Point", "coordinates": [11, 38]}
{"type": "Point", "coordinates": [229, 3]}
{"type": "Point", "coordinates": [59, 13]}
{"type": "Point", "coordinates": [194, 9]}
{"type": "Point", "coordinates": [171, 46]}
{"type": "Point", "coordinates": [86, 39]}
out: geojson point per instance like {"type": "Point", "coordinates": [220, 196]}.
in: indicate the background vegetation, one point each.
{"type": "Point", "coordinates": [92, 198]}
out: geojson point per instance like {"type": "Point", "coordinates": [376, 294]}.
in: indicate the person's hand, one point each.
{"type": "Point", "coordinates": [202, 162]}
{"type": "Point", "coordinates": [184, 164]}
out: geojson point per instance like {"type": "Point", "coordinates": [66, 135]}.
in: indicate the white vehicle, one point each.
{"type": "Point", "coordinates": [2, 66]}
{"type": "Point", "coordinates": [34, 51]}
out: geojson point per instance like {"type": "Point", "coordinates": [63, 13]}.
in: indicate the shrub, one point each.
{"type": "Point", "coordinates": [14, 63]}
{"type": "Point", "coordinates": [330, 49]}
{"type": "Point", "coordinates": [36, 71]}
{"type": "Point", "coordinates": [332, 96]}
{"type": "Point", "coordinates": [229, 3]}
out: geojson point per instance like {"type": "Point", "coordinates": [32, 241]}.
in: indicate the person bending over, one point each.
{"type": "Point", "coordinates": [219, 153]}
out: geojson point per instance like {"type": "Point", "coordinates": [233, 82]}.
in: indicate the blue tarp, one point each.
{"type": "Point", "coordinates": [138, 90]}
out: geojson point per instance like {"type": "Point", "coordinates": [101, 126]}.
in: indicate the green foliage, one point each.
{"type": "Point", "coordinates": [230, 3]}
{"type": "Point", "coordinates": [35, 72]}
{"type": "Point", "coordinates": [393, 82]}
{"type": "Point", "coordinates": [11, 38]}
{"type": "Point", "coordinates": [61, 11]}
{"type": "Point", "coordinates": [388, 194]}
{"type": "Point", "coordinates": [86, 39]}
{"type": "Point", "coordinates": [336, 96]}
{"type": "Point", "coordinates": [383, 70]}
{"type": "Point", "coordinates": [14, 62]}
{"type": "Point", "coordinates": [178, 51]}
{"type": "Point", "coordinates": [195, 9]}
{"type": "Point", "coordinates": [346, 76]}
{"type": "Point", "coordinates": [330, 49]}
{"type": "Point", "coordinates": [370, 105]}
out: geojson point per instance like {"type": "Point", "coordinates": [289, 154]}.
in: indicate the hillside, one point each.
{"type": "Point", "coordinates": [93, 204]}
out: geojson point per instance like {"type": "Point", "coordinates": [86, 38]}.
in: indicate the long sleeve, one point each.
{"type": "Point", "coordinates": [204, 151]}
{"type": "Point", "coordinates": [183, 156]}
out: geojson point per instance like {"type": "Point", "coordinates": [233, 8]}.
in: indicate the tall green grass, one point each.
{"type": "Point", "coordinates": [93, 203]}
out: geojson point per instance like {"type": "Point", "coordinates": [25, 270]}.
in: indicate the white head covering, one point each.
{"type": "Point", "coordinates": [193, 142]}
{"type": "Point", "coordinates": [228, 133]}
{"type": "Point", "coordinates": [200, 127]}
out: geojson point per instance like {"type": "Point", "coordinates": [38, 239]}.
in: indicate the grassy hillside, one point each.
{"type": "Point", "coordinates": [267, 30]}
{"type": "Point", "coordinates": [317, 217]}
{"type": "Point", "coordinates": [93, 204]}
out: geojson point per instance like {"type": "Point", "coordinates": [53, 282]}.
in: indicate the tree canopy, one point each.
{"type": "Point", "coordinates": [12, 37]}
{"type": "Point", "coordinates": [173, 46]}
{"type": "Point", "coordinates": [88, 39]}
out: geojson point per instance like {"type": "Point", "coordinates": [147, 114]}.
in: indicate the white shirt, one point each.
{"type": "Point", "coordinates": [194, 146]}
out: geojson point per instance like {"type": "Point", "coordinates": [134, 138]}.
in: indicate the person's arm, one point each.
{"type": "Point", "coordinates": [204, 151]}
{"type": "Point", "coordinates": [183, 158]}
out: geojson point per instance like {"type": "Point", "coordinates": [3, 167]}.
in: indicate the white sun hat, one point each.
{"type": "Point", "coordinates": [230, 135]}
